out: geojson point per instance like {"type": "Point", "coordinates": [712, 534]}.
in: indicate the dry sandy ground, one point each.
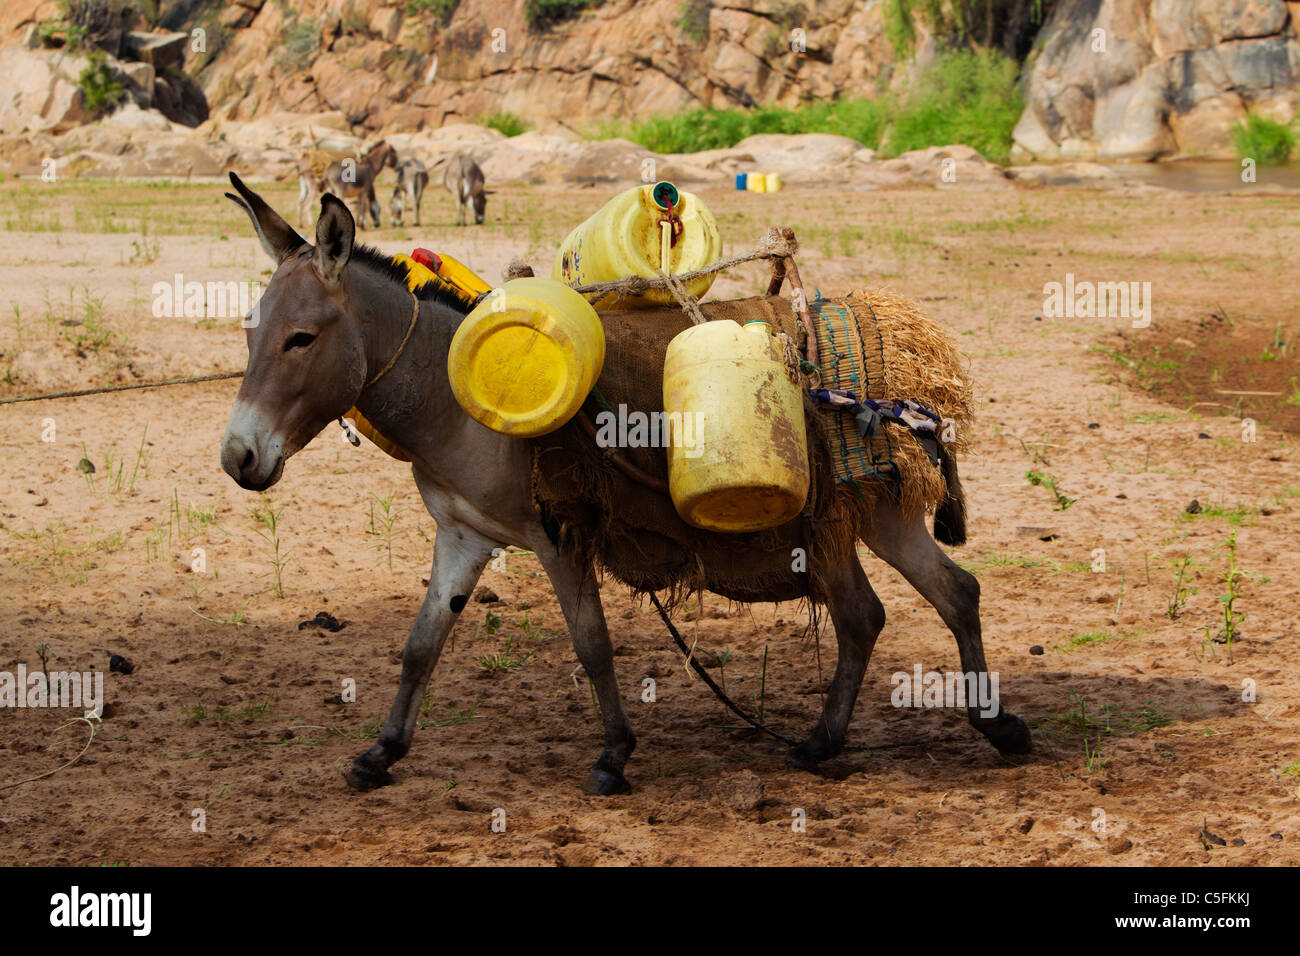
{"type": "Point", "coordinates": [1143, 737]}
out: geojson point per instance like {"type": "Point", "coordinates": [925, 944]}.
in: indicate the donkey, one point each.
{"type": "Point", "coordinates": [412, 177]}
{"type": "Point", "coordinates": [338, 327]}
{"type": "Point", "coordinates": [464, 180]}
{"type": "Point", "coordinates": [358, 180]}
{"type": "Point", "coordinates": [311, 182]}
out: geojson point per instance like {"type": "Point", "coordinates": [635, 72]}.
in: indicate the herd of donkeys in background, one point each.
{"type": "Point", "coordinates": [350, 179]}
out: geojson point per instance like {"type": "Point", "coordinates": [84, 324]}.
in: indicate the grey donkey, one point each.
{"type": "Point", "coordinates": [412, 178]}
{"type": "Point", "coordinates": [464, 180]}
{"type": "Point", "coordinates": [338, 327]}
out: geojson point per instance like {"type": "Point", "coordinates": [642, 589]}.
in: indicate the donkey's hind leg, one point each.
{"type": "Point", "coordinates": [955, 593]}
{"type": "Point", "coordinates": [575, 586]}
{"type": "Point", "coordinates": [858, 617]}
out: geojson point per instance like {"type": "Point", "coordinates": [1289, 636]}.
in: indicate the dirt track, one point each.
{"type": "Point", "coordinates": [1140, 722]}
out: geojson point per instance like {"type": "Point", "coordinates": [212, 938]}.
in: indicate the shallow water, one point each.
{"type": "Point", "coordinates": [1200, 176]}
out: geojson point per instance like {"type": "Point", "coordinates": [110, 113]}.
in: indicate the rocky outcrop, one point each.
{"type": "Point", "coordinates": [1113, 79]}
{"type": "Point", "coordinates": [1148, 79]}
{"type": "Point", "coordinates": [385, 67]}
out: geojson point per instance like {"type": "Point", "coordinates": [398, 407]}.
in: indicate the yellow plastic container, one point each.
{"type": "Point", "coordinates": [737, 450]}
{"type": "Point", "coordinates": [524, 360]}
{"type": "Point", "coordinates": [756, 183]}
{"type": "Point", "coordinates": [626, 237]}
{"type": "Point", "coordinates": [773, 182]}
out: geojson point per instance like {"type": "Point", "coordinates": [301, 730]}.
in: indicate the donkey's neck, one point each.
{"type": "Point", "coordinates": [415, 392]}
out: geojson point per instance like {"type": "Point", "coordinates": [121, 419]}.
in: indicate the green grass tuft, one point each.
{"type": "Point", "coordinates": [962, 97]}
{"type": "Point", "coordinates": [1267, 142]}
{"type": "Point", "coordinates": [507, 124]}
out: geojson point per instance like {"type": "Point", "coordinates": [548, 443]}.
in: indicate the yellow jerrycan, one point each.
{"type": "Point", "coordinates": [523, 361]}
{"type": "Point", "coordinates": [648, 227]}
{"type": "Point", "coordinates": [737, 449]}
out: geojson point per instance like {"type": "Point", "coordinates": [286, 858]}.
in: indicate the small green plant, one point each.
{"type": "Point", "coordinates": [1267, 142]}
{"type": "Point", "coordinates": [100, 89]}
{"type": "Point", "coordinates": [506, 660]}
{"type": "Point", "coordinates": [1294, 398]}
{"type": "Point", "coordinates": [1292, 771]}
{"type": "Point", "coordinates": [299, 41]}
{"type": "Point", "coordinates": [387, 519]}
{"type": "Point", "coordinates": [1178, 600]}
{"type": "Point", "coordinates": [440, 9]}
{"type": "Point", "coordinates": [693, 19]}
{"type": "Point", "coordinates": [1107, 720]}
{"type": "Point", "coordinates": [144, 251]}
{"type": "Point", "coordinates": [542, 14]}
{"type": "Point", "coordinates": [268, 516]}
{"type": "Point", "coordinates": [1092, 756]}
{"type": "Point", "coordinates": [1045, 480]}
{"type": "Point", "coordinates": [508, 124]}
{"type": "Point", "coordinates": [1084, 639]}
{"type": "Point", "coordinates": [1228, 600]}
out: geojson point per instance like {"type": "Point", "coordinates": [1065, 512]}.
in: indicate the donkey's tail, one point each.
{"type": "Point", "coordinates": [950, 517]}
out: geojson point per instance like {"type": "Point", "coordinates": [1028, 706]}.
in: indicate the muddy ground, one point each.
{"type": "Point", "coordinates": [1157, 742]}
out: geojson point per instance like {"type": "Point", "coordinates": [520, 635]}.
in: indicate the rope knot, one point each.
{"type": "Point", "coordinates": [779, 242]}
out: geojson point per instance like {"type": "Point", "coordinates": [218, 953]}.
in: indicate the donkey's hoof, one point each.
{"type": "Point", "coordinates": [603, 782]}
{"type": "Point", "coordinates": [363, 776]}
{"type": "Point", "coordinates": [1010, 735]}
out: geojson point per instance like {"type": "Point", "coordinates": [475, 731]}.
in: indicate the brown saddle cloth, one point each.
{"type": "Point", "coordinates": [636, 534]}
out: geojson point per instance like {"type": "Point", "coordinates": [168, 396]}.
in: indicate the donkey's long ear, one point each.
{"type": "Point", "coordinates": [278, 238]}
{"type": "Point", "coordinates": [335, 233]}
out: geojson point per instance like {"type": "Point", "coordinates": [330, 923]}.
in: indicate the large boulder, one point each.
{"type": "Point", "coordinates": [41, 92]}
{"type": "Point", "coordinates": [1146, 79]}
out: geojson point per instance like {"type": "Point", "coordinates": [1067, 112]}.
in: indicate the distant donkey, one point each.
{"type": "Point", "coordinates": [412, 177]}
{"type": "Point", "coordinates": [464, 180]}
{"type": "Point", "coordinates": [358, 180]}
{"type": "Point", "coordinates": [311, 180]}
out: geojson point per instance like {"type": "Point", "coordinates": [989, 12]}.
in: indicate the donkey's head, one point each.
{"type": "Point", "coordinates": [306, 350]}
{"type": "Point", "coordinates": [480, 205]}
{"type": "Point", "coordinates": [380, 155]}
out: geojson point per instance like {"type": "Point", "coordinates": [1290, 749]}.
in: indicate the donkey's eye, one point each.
{"type": "Point", "coordinates": [299, 340]}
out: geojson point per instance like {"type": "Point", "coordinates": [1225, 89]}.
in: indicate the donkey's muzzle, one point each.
{"type": "Point", "coordinates": [251, 466]}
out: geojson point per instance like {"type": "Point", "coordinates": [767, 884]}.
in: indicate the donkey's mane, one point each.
{"type": "Point", "coordinates": [437, 292]}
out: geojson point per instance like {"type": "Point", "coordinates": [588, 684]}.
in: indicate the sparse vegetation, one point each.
{"type": "Point", "coordinates": [441, 10]}
{"type": "Point", "coordinates": [543, 14]}
{"type": "Point", "coordinates": [1045, 480]}
{"type": "Point", "coordinates": [1085, 639]}
{"type": "Point", "coordinates": [299, 40]}
{"type": "Point", "coordinates": [268, 517]}
{"type": "Point", "coordinates": [506, 660]}
{"type": "Point", "coordinates": [693, 19]}
{"type": "Point", "coordinates": [962, 97]}
{"type": "Point", "coordinates": [100, 89]}
{"type": "Point", "coordinates": [1181, 589]}
{"type": "Point", "coordinates": [1106, 720]}
{"type": "Point", "coordinates": [1266, 141]}
{"type": "Point", "coordinates": [508, 124]}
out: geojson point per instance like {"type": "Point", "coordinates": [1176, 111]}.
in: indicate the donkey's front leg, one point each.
{"type": "Point", "coordinates": [459, 556]}
{"type": "Point", "coordinates": [575, 586]}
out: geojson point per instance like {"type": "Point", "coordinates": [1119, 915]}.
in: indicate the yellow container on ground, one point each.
{"type": "Point", "coordinates": [773, 182]}
{"type": "Point", "coordinates": [756, 183]}
{"type": "Point", "coordinates": [524, 360]}
{"type": "Point", "coordinates": [737, 450]}
{"type": "Point", "coordinates": [625, 238]}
